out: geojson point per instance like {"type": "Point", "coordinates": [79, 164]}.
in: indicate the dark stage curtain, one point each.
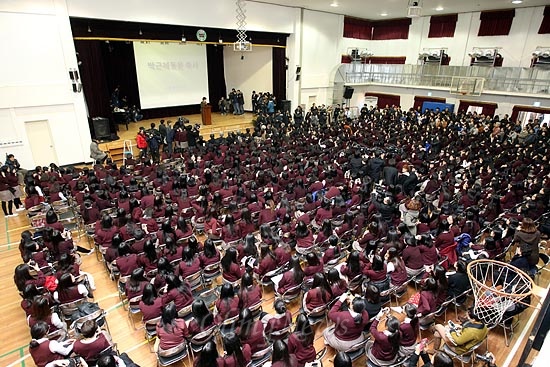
{"type": "Point", "coordinates": [488, 108]}
{"type": "Point", "coordinates": [357, 28]}
{"type": "Point", "coordinates": [496, 23]}
{"type": "Point", "coordinates": [216, 75]}
{"type": "Point", "coordinates": [279, 74]}
{"type": "Point", "coordinates": [391, 29]}
{"type": "Point", "coordinates": [94, 81]}
{"type": "Point", "coordinates": [419, 100]}
{"type": "Point", "coordinates": [545, 25]}
{"type": "Point", "coordinates": [442, 25]}
{"type": "Point", "coordinates": [385, 99]}
{"type": "Point", "coordinates": [517, 109]}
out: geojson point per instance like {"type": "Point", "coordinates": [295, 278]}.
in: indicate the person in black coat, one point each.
{"type": "Point", "coordinates": [459, 282]}
{"type": "Point", "coordinates": [390, 173]}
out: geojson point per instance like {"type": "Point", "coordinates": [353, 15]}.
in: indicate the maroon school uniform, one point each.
{"type": "Point", "coordinates": [174, 337]}
{"type": "Point", "coordinates": [346, 328]}
{"type": "Point", "coordinates": [90, 351]}
{"type": "Point", "coordinates": [255, 338]}
{"type": "Point", "coordinates": [151, 311]}
{"type": "Point", "coordinates": [302, 353]}
{"type": "Point", "coordinates": [185, 269]}
{"type": "Point", "coordinates": [226, 309]}
{"type": "Point", "coordinates": [382, 348]}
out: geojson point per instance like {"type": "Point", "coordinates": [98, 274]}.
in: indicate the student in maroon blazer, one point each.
{"type": "Point", "coordinates": [282, 253]}
{"type": "Point", "coordinates": [228, 305]}
{"type": "Point", "coordinates": [250, 294]}
{"type": "Point", "coordinates": [304, 237]}
{"type": "Point", "coordinates": [320, 293]}
{"type": "Point", "coordinates": [135, 285]}
{"type": "Point", "coordinates": [171, 330]}
{"type": "Point", "coordinates": [292, 277]}
{"type": "Point", "coordinates": [150, 305]}
{"type": "Point", "coordinates": [281, 357]}
{"type": "Point", "coordinates": [210, 255]}
{"type": "Point", "coordinates": [412, 257]}
{"type": "Point", "coordinates": [251, 331]}
{"type": "Point", "coordinates": [104, 233]}
{"type": "Point", "coordinates": [352, 268]}
{"type": "Point", "coordinates": [427, 303]}
{"type": "Point", "coordinates": [202, 319]}
{"type": "Point", "coordinates": [230, 267]}
{"type": "Point", "coordinates": [313, 266]}
{"type": "Point", "coordinates": [231, 231]}
{"type": "Point", "coordinates": [209, 356]}
{"type": "Point", "coordinates": [93, 341]}
{"type": "Point", "coordinates": [349, 324]}
{"type": "Point", "coordinates": [376, 270]}
{"type": "Point", "coordinates": [324, 212]}
{"type": "Point", "coordinates": [383, 350]}
{"type": "Point", "coordinates": [428, 250]}
{"type": "Point", "coordinates": [268, 261]}
{"type": "Point", "coordinates": [279, 321]}
{"type": "Point", "coordinates": [126, 261]}
{"type": "Point", "coordinates": [43, 350]}
{"type": "Point", "coordinates": [190, 264]}
{"type": "Point", "coordinates": [236, 354]}
{"type": "Point", "coordinates": [177, 291]}
{"type": "Point", "coordinates": [338, 286]}
{"type": "Point", "coordinates": [408, 330]}
{"type": "Point", "coordinates": [300, 342]}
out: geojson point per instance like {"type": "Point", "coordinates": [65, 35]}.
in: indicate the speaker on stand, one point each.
{"type": "Point", "coordinates": [101, 128]}
{"type": "Point", "coordinates": [348, 93]}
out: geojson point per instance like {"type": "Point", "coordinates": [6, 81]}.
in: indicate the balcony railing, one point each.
{"type": "Point", "coordinates": [511, 80]}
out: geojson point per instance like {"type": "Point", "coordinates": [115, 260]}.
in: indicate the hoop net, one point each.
{"type": "Point", "coordinates": [497, 286]}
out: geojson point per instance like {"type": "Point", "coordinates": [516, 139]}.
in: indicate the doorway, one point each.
{"type": "Point", "coordinates": [41, 142]}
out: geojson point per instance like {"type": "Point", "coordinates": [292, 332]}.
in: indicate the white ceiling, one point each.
{"type": "Point", "coordinates": [371, 9]}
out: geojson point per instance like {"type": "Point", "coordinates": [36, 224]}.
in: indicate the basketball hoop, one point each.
{"type": "Point", "coordinates": [497, 286]}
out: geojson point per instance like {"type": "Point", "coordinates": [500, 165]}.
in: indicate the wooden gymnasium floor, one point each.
{"type": "Point", "coordinates": [15, 332]}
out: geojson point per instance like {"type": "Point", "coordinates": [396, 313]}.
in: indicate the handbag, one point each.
{"type": "Point", "coordinates": [415, 299]}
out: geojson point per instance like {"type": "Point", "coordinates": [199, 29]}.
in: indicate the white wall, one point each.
{"type": "Point", "coordinates": [35, 84]}
{"type": "Point", "coordinates": [516, 47]}
{"type": "Point", "coordinates": [322, 36]}
{"type": "Point", "coordinates": [253, 73]}
{"type": "Point", "coordinates": [206, 13]}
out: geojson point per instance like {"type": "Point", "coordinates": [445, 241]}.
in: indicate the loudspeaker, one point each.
{"type": "Point", "coordinates": [286, 105]}
{"type": "Point", "coordinates": [348, 92]}
{"type": "Point", "coordinates": [102, 129]}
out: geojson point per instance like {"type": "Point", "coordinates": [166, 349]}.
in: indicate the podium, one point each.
{"type": "Point", "coordinates": [206, 115]}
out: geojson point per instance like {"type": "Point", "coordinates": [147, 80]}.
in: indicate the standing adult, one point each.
{"type": "Point", "coordinates": [240, 101]}
{"type": "Point", "coordinates": [527, 236]}
{"type": "Point", "coordinates": [234, 101]}
{"type": "Point", "coordinates": [170, 134]}
{"type": "Point", "coordinates": [12, 163]}
{"type": "Point", "coordinates": [6, 192]}
{"type": "Point", "coordinates": [141, 142]}
{"type": "Point", "coordinates": [163, 133]}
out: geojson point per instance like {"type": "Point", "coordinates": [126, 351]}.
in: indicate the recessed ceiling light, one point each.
{"type": "Point", "coordinates": [439, 8]}
{"type": "Point", "coordinates": [334, 4]}
{"type": "Point", "coordinates": [517, 1]}
{"type": "Point", "coordinates": [383, 14]}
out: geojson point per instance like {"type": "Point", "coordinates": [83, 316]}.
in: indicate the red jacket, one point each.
{"type": "Point", "coordinates": [141, 142]}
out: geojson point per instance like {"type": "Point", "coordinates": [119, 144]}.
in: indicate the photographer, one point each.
{"type": "Point", "coordinates": [461, 338]}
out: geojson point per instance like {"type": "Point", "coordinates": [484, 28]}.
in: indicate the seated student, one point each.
{"type": "Point", "coordinates": [250, 294]}
{"type": "Point", "coordinates": [349, 323]}
{"type": "Point", "coordinates": [68, 290]}
{"type": "Point", "coordinates": [171, 332]}
{"type": "Point", "coordinates": [45, 352]}
{"type": "Point", "coordinates": [376, 270]}
{"type": "Point", "coordinates": [281, 357]}
{"type": "Point", "coordinates": [236, 354]}
{"type": "Point", "coordinates": [136, 283]}
{"type": "Point", "coordinates": [412, 257]}
{"type": "Point", "coordinates": [209, 356]}
{"type": "Point", "coordinates": [150, 305]}
{"type": "Point", "coordinates": [333, 251]}
{"type": "Point", "coordinates": [338, 286]}
{"type": "Point", "coordinates": [251, 332]}
{"type": "Point", "coordinates": [231, 269]}
{"type": "Point", "coordinates": [408, 330]}
{"type": "Point", "coordinates": [459, 282]}
{"type": "Point", "coordinates": [177, 291]}
{"type": "Point", "coordinates": [210, 255]}
{"type": "Point", "coordinates": [300, 342]}
{"type": "Point", "coordinates": [148, 260]}
{"type": "Point", "coordinates": [304, 237]}
{"type": "Point", "coordinates": [230, 231]}
{"type": "Point", "coordinates": [427, 301]}
{"type": "Point", "coordinates": [93, 341]}
{"type": "Point", "coordinates": [462, 340]}
{"type": "Point", "coordinates": [268, 261]}
{"type": "Point", "coordinates": [373, 305]}
{"type": "Point", "coordinates": [171, 250]}
{"type": "Point", "coordinates": [282, 252]}
{"type": "Point", "coordinates": [383, 350]}
{"type": "Point", "coordinates": [202, 318]}
{"type": "Point", "coordinates": [190, 264]}
{"type": "Point", "coordinates": [440, 359]}
{"type": "Point", "coordinates": [41, 311]}
{"type": "Point", "coordinates": [313, 266]}
{"type": "Point", "coordinates": [319, 295]}
{"type": "Point", "coordinates": [227, 305]}
{"type": "Point", "coordinates": [126, 260]}
{"type": "Point", "coordinates": [279, 321]}
{"type": "Point", "coordinates": [352, 268]}
{"type": "Point", "coordinates": [292, 277]}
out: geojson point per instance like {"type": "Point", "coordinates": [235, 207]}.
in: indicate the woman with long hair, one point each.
{"type": "Point", "coordinates": [250, 294]}
{"type": "Point", "coordinates": [313, 266]}
{"type": "Point", "coordinates": [209, 356]}
{"type": "Point", "coordinates": [279, 321]}
{"type": "Point", "coordinates": [227, 305]}
{"type": "Point", "coordinates": [300, 342]}
{"type": "Point", "coordinates": [268, 261]}
{"type": "Point", "coordinates": [320, 293]}
{"type": "Point", "coordinates": [183, 228]}
{"type": "Point", "coordinates": [304, 237]}
{"type": "Point", "coordinates": [333, 251]}
{"type": "Point", "coordinates": [171, 250]}
{"type": "Point", "coordinates": [281, 357]}
{"type": "Point", "coordinates": [230, 231]}
{"type": "Point", "coordinates": [45, 352]}
{"type": "Point", "coordinates": [148, 260]}
{"type": "Point", "coordinates": [171, 331]}
{"type": "Point", "coordinates": [41, 311]}
{"type": "Point", "coordinates": [440, 275]}
{"type": "Point", "coordinates": [177, 291]}
{"type": "Point", "coordinates": [384, 349]}
{"type": "Point", "coordinates": [210, 255]}
{"type": "Point", "coordinates": [136, 284]}
{"type": "Point", "coordinates": [68, 290]}
{"type": "Point", "coordinates": [247, 224]}
{"type": "Point", "coordinates": [190, 264]}
{"type": "Point", "coordinates": [350, 322]}
{"type": "Point", "coordinates": [338, 286]}
{"type": "Point", "coordinates": [373, 305]}
{"type": "Point", "coordinates": [251, 331]}
{"type": "Point", "coordinates": [352, 267]}
{"type": "Point", "coordinates": [230, 267]}
{"type": "Point", "coordinates": [409, 331]}
{"type": "Point", "coordinates": [527, 236]}
{"type": "Point", "coordinates": [396, 268]}
{"type": "Point", "coordinates": [150, 304]}
{"type": "Point", "coordinates": [236, 354]}
{"type": "Point", "coordinates": [164, 267]}
{"type": "Point", "coordinates": [202, 319]}
{"type": "Point", "coordinates": [292, 277]}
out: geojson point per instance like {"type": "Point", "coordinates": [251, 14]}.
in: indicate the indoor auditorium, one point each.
{"type": "Point", "coordinates": [291, 183]}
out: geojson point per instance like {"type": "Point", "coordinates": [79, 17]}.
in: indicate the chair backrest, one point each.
{"type": "Point", "coordinates": [230, 321]}
{"type": "Point", "coordinates": [194, 279]}
{"type": "Point", "coordinates": [317, 311]}
{"type": "Point", "coordinates": [261, 354]}
{"type": "Point", "coordinates": [280, 334]}
{"type": "Point", "coordinates": [133, 302]}
{"type": "Point", "coordinates": [151, 326]}
{"type": "Point", "coordinates": [186, 311]}
{"type": "Point", "coordinates": [212, 268]}
{"type": "Point", "coordinates": [292, 293]}
{"type": "Point", "coordinates": [67, 309]}
{"type": "Point", "coordinates": [204, 336]}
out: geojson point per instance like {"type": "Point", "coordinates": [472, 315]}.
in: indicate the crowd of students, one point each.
{"type": "Point", "coordinates": [388, 195]}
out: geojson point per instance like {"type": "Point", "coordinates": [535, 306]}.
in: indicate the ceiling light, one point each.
{"type": "Point", "coordinates": [439, 8]}
{"type": "Point", "coordinates": [383, 14]}
{"type": "Point", "coordinates": [517, 1]}
{"type": "Point", "coordinates": [334, 4]}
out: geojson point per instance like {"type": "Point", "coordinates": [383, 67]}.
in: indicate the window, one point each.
{"type": "Point", "coordinates": [526, 113]}
{"type": "Point", "coordinates": [496, 23]}
{"type": "Point", "coordinates": [357, 28]}
{"type": "Point", "coordinates": [545, 25]}
{"type": "Point", "coordinates": [442, 26]}
{"type": "Point", "coordinates": [391, 29]}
